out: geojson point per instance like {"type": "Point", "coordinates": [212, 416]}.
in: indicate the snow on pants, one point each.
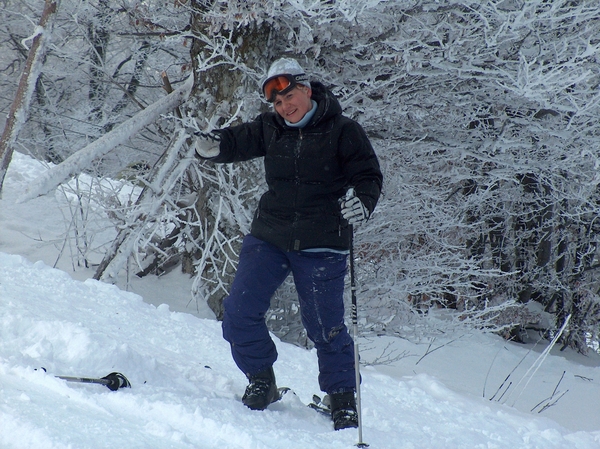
{"type": "Point", "coordinates": [319, 280]}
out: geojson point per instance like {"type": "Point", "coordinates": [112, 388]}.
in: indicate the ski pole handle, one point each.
{"type": "Point", "coordinates": [350, 193]}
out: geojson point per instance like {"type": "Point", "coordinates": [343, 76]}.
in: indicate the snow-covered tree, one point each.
{"type": "Point", "coordinates": [484, 116]}
{"type": "Point", "coordinates": [107, 62]}
{"type": "Point", "coordinates": [27, 82]}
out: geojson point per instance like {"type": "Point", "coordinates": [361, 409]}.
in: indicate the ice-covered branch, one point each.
{"type": "Point", "coordinates": [80, 160]}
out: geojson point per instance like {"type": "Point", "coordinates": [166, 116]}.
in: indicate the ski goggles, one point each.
{"type": "Point", "coordinates": [278, 85]}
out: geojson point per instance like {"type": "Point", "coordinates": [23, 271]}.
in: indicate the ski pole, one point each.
{"type": "Point", "coordinates": [112, 381]}
{"type": "Point", "coordinates": [355, 337]}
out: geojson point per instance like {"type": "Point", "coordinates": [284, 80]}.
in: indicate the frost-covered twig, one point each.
{"type": "Point", "coordinates": [539, 361]}
{"type": "Point", "coordinates": [429, 350]}
{"type": "Point", "coordinates": [552, 396]}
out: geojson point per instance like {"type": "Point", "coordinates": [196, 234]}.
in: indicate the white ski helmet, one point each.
{"type": "Point", "coordinates": [286, 66]}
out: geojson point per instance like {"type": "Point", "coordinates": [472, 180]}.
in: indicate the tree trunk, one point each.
{"type": "Point", "coordinates": [215, 97]}
{"type": "Point", "coordinates": [20, 105]}
{"type": "Point", "coordinates": [98, 36]}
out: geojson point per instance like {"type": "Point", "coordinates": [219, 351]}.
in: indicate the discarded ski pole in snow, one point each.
{"type": "Point", "coordinates": [112, 381]}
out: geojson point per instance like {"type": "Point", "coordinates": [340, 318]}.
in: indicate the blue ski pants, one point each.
{"type": "Point", "coordinates": [319, 280]}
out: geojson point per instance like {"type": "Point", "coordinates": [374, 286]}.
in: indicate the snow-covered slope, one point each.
{"type": "Point", "coordinates": [185, 388]}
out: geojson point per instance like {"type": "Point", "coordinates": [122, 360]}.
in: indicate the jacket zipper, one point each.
{"type": "Point", "coordinates": [296, 243]}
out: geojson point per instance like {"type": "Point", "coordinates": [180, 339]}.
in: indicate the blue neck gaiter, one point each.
{"type": "Point", "coordinates": [302, 123]}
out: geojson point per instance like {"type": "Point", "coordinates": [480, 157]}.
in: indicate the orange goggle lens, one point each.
{"type": "Point", "coordinates": [278, 85]}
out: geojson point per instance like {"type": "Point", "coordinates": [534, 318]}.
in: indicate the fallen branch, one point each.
{"type": "Point", "coordinates": [75, 163]}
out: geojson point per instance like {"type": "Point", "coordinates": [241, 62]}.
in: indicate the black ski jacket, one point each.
{"type": "Point", "coordinates": [307, 171]}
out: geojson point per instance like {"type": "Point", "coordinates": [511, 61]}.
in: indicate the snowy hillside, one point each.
{"type": "Point", "coordinates": [186, 389]}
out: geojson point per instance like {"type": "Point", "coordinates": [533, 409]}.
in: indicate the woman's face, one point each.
{"type": "Point", "coordinates": [294, 105]}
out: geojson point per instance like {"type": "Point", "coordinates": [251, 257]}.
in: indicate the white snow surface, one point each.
{"type": "Point", "coordinates": [186, 389]}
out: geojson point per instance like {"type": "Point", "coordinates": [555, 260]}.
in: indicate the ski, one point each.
{"type": "Point", "coordinates": [319, 405]}
{"type": "Point", "coordinates": [282, 391]}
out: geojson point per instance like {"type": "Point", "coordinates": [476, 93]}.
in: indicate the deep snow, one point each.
{"type": "Point", "coordinates": [186, 390]}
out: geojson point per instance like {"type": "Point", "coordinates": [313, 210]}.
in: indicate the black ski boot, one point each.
{"type": "Point", "coordinates": [343, 410]}
{"type": "Point", "coordinates": [261, 391]}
